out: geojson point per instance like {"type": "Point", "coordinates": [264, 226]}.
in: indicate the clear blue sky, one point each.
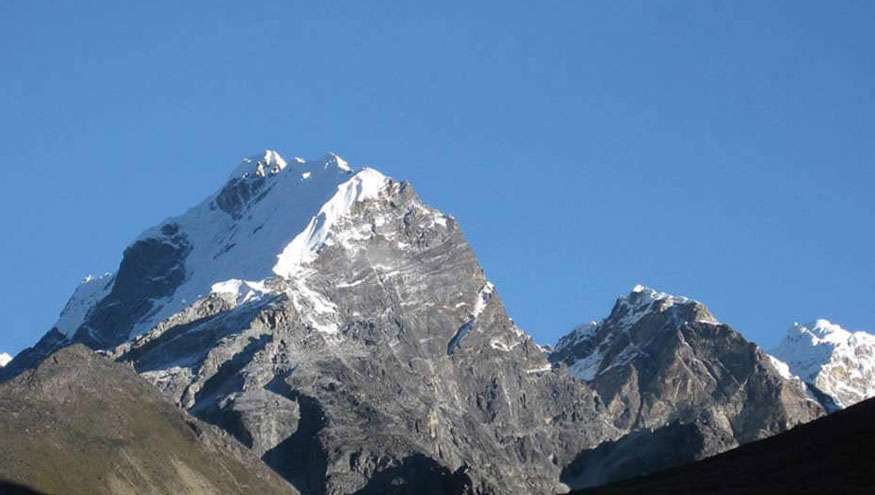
{"type": "Point", "coordinates": [721, 150]}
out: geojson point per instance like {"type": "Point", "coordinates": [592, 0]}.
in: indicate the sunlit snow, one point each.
{"type": "Point", "coordinates": [838, 362]}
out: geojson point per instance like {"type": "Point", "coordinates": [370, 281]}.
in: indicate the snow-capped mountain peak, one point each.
{"type": "Point", "coordinates": [333, 159]}
{"type": "Point", "coordinates": [642, 293]}
{"type": "Point", "coordinates": [296, 292]}
{"type": "Point", "coordinates": [821, 331]}
{"type": "Point", "coordinates": [596, 347]}
{"type": "Point", "coordinates": [4, 359]}
{"type": "Point", "coordinates": [642, 300]}
{"type": "Point", "coordinates": [836, 361]}
{"type": "Point", "coordinates": [630, 308]}
{"type": "Point", "coordinates": [269, 163]}
{"type": "Point", "coordinates": [270, 219]}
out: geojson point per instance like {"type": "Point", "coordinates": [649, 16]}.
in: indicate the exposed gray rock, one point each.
{"type": "Point", "coordinates": [425, 376]}
{"type": "Point", "coordinates": [646, 451]}
{"type": "Point", "coordinates": [150, 270]}
{"type": "Point", "coordinates": [664, 364]}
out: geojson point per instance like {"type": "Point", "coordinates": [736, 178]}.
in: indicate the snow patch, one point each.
{"type": "Point", "coordinates": [541, 369]}
{"type": "Point", "coordinates": [315, 308]}
{"type": "Point", "coordinates": [587, 368]}
{"type": "Point", "coordinates": [89, 293]}
{"type": "Point", "coordinates": [4, 359]}
{"type": "Point", "coordinates": [483, 297]}
{"type": "Point", "coordinates": [337, 161]}
{"type": "Point", "coordinates": [304, 248]}
{"type": "Point", "coordinates": [781, 367]}
{"type": "Point", "coordinates": [501, 345]}
{"type": "Point", "coordinates": [241, 291]}
{"type": "Point", "coordinates": [580, 333]}
{"type": "Point", "coordinates": [270, 163]}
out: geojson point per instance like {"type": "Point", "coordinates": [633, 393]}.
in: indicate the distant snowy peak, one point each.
{"type": "Point", "coordinates": [822, 331]}
{"type": "Point", "coordinates": [837, 362]}
{"type": "Point", "coordinates": [4, 359]}
{"type": "Point", "coordinates": [332, 159]}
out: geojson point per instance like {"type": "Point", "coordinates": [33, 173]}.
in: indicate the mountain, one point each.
{"type": "Point", "coordinates": [234, 235]}
{"type": "Point", "coordinates": [832, 454]}
{"type": "Point", "coordinates": [833, 361]}
{"type": "Point", "coordinates": [82, 424]}
{"type": "Point", "coordinates": [4, 359]}
{"type": "Point", "coordinates": [344, 331]}
{"type": "Point", "coordinates": [686, 385]}
{"type": "Point", "coordinates": [341, 329]}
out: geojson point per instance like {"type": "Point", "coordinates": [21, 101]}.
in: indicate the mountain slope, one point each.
{"type": "Point", "coordinates": [832, 454]}
{"type": "Point", "coordinates": [235, 234]}
{"type": "Point", "coordinates": [81, 424]}
{"type": "Point", "coordinates": [836, 362]}
{"type": "Point", "coordinates": [341, 329]}
{"type": "Point", "coordinates": [689, 386]}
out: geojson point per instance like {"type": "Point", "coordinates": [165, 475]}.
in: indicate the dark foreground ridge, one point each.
{"type": "Point", "coordinates": [82, 424]}
{"type": "Point", "coordinates": [7, 488]}
{"type": "Point", "coordinates": [834, 454]}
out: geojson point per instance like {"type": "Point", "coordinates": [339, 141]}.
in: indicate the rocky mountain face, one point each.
{"type": "Point", "coordinates": [686, 385]}
{"type": "Point", "coordinates": [82, 424]}
{"type": "Point", "coordinates": [341, 329]}
{"type": "Point", "coordinates": [837, 364]}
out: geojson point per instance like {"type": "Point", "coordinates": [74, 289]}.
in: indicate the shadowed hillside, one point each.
{"type": "Point", "coordinates": [82, 424]}
{"type": "Point", "coordinates": [834, 454]}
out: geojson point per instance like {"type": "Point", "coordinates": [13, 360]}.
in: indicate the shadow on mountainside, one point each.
{"type": "Point", "coordinates": [420, 475]}
{"type": "Point", "coordinates": [833, 454]}
{"type": "Point", "coordinates": [301, 458]}
{"type": "Point", "coordinates": [9, 488]}
{"type": "Point", "coordinates": [636, 454]}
